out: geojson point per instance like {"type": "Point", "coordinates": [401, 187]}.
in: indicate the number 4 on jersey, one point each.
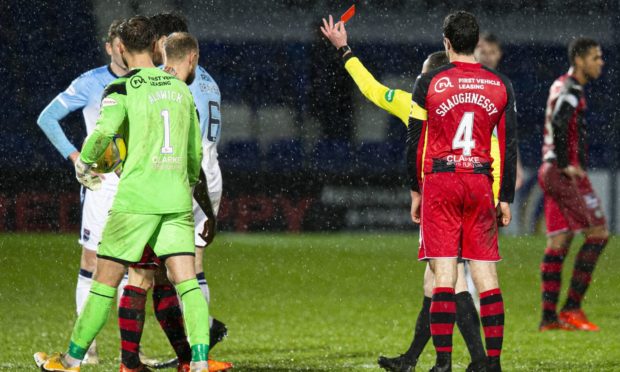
{"type": "Point", "coordinates": [463, 139]}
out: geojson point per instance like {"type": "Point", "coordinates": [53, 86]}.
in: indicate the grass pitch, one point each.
{"type": "Point", "coordinates": [322, 302]}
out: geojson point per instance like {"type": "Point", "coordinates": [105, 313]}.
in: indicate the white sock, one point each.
{"type": "Point", "coordinates": [70, 362]}
{"type": "Point", "coordinates": [85, 280]}
{"type": "Point", "coordinates": [204, 287]}
{"type": "Point", "coordinates": [121, 287]}
{"type": "Point", "coordinates": [198, 366]}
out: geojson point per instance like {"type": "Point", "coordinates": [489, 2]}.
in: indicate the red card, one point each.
{"type": "Point", "coordinates": [348, 14]}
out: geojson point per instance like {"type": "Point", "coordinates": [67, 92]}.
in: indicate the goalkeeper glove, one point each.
{"type": "Point", "coordinates": [85, 175]}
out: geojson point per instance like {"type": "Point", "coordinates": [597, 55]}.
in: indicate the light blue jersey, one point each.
{"type": "Point", "coordinates": [207, 99]}
{"type": "Point", "coordinates": [83, 93]}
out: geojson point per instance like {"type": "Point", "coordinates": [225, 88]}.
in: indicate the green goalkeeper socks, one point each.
{"type": "Point", "coordinates": [92, 319]}
{"type": "Point", "coordinates": [196, 314]}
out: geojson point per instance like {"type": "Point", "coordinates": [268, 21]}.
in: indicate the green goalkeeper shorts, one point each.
{"type": "Point", "coordinates": [126, 234]}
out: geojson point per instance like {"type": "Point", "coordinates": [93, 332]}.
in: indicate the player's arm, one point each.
{"type": "Point", "coordinates": [507, 138]}
{"type": "Point", "coordinates": [201, 194]}
{"type": "Point", "coordinates": [196, 176]}
{"type": "Point", "coordinates": [394, 101]}
{"type": "Point", "coordinates": [73, 98]}
{"type": "Point", "coordinates": [565, 107]}
{"type": "Point", "coordinates": [113, 114]}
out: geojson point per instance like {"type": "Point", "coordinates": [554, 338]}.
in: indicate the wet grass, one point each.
{"type": "Point", "coordinates": [316, 302]}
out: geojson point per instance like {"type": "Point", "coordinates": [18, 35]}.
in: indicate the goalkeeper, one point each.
{"type": "Point", "coordinates": [399, 104]}
{"type": "Point", "coordinates": [156, 115]}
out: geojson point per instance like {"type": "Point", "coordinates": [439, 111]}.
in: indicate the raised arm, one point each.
{"type": "Point", "coordinates": [394, 101]}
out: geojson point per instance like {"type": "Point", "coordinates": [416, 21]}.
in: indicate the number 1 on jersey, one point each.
{"type": "Point", "coordinates": [166, 149]}
{"type": "Point", "coordinates": [463, 139]}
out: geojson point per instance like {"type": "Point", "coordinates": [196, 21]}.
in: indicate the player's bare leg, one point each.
{"type": "Point", "coordinates": [491, 309]}
{"type": "Point", "coordinates": [551, 276]}
{"type": "Point", "coordinates": [585, 262]}
{"type": "Point", "coordinates": [217, 329]}
{"type": "Point", "coordinates": [443, 311]}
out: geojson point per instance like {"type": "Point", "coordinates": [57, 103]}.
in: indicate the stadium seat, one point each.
{"type": "Point", "coordinates": [332, 156]}
{"type": "Point", "coordinates": [285, 156]}
{"type": "Point", "coordinates": [241, 156]}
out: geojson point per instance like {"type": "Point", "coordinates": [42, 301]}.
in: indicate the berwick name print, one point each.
{"type": "Point", "coordinates": [475, 98]}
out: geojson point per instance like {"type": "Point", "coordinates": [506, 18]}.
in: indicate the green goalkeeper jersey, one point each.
{"type": "Point", "coordinates": [155, 114]}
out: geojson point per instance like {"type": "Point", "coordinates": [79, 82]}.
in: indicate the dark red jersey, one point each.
{"type": "Point", "coordinates": [465, 103]}
{"type": "Point", "coordinates": [565, 126]}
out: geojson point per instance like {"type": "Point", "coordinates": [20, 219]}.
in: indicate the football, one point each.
{"type": "Point", "coordinates": [113, 156]}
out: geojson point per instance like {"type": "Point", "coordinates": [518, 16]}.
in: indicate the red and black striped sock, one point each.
{"type": "Point", "coordinates": [131, 323]}
{"type": "Point", "coordinates": [585, 262]}
{"type": "Point", "coordinates": [443, 316]}
{"type": "Point", "coordinates": [168, 313]}
{"type": "Point", "coordinates": [492, 318]}
{"type": "Point", "coordinates": [551, 273]}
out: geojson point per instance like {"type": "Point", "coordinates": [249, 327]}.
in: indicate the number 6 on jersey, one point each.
{"type": "Point", "coordinates": [463, 139]}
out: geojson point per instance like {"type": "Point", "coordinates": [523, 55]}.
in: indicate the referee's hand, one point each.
{"type": "Point", "coordinates": [336, 33]}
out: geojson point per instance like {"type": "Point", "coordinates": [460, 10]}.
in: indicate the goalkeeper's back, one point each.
{"type": "Point", "coordinates": [154, 112]}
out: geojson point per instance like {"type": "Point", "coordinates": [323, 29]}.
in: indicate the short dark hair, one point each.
{"type": "Point", "coordinates": [180, 44]}
{"type": "Point", "coordinates": [137, 34]}
{"type": "Point", "coordinates": [437, 59]}
{"type": "Point", "coordinates": [462, 29]}
{"type": "Point", "coordinates": [491, 39]}
{"type": "Point", "coordinates": [167, 23]}
{"type": "Point", "coordinates": [113, 30]}
{"type": "Point", "coordinates": [580, 47]}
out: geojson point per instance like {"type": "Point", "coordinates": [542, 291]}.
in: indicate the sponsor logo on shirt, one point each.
{"type": "Point", "coordinates": [443, 84]}
{"type": "Point", "coordinates": [108, 102]}
{"type": "Point", "coordinates": [136, 81]}
{"type": "Point", "coordinates": [389, 95]}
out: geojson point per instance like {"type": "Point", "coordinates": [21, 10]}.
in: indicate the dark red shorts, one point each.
{"type": "Point", "coordinates": [149, 260]}
{"type": "Point", "coordinates": [570, 205]}
{"type": "Point", "coordinates": [458, 217]}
